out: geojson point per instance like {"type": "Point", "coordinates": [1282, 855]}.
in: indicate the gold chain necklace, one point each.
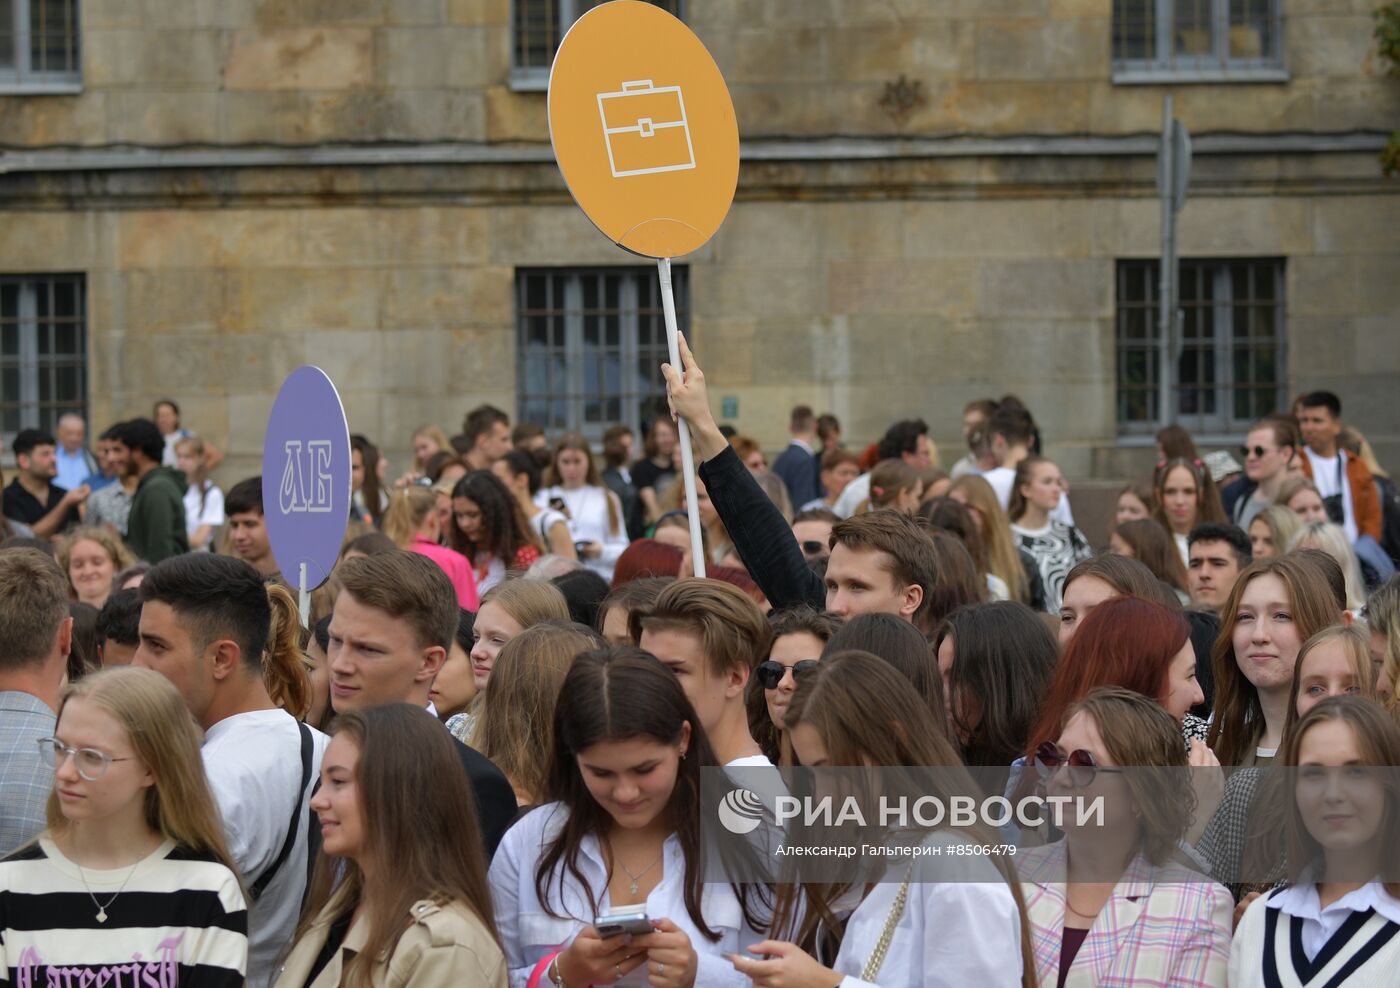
{"type": "Point", "coordinates": [882, 946]}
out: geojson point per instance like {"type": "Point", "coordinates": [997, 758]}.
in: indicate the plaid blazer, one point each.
{"type": "Point", "coordinates": [1159, 928]}
{"type": "Point", "coordinates": [25, 781]}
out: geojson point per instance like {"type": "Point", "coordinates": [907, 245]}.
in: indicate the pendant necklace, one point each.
{"type": "Point", "coordinates": [633, 887]}
{"type": "Point", "coordinates": [101, 908]}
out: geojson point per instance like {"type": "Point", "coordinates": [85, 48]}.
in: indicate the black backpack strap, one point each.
{"type": "Point", "coordinates": [265, 879]}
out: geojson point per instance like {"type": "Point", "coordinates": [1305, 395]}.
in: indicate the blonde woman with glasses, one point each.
{"type": "Point", "coordinates": [132, 870]}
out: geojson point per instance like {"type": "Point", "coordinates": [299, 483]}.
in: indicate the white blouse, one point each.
{"type": "Point", "coordinates": [529, 934]}
{"type": "Point", "coordinates": [588, 522]}
{"type": "Point", "coordinates": [953, 934]}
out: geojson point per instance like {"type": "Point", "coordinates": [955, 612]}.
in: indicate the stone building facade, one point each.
{"type": "Point", "coordinates": [938, 200]}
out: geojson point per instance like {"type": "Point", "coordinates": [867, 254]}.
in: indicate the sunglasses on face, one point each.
{"type": "Point", "coordinates": [1050, 758]}
{"type": "Point", "coordinates": [813, 547]}
{"type": "Point", "coordinates": [771, 673]}
{"type": "Point", "coordinates": [1258, 451]}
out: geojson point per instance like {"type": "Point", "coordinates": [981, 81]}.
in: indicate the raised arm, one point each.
{"type": "Point", "coordinates": [761, 535]}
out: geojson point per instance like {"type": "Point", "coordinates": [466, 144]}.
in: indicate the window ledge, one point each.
{"type": "Point", "coordinates": [40, 88]}
{"type": "Point", "coordinates": [1138, 440]}
{"type": "Point", "coordinates": [529, 80]}
{"type": "Point", "coordinates": [1148, 76]}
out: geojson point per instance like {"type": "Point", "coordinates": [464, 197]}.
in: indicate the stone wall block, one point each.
{"type": "Point", "coordinates": [431, 235]}
{"type": "Point", "coordinates": [946, 288]}
{"type": "Point", "coordinates": [304, 58]}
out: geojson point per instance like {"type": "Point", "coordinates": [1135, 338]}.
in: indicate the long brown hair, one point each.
{"type": "Point", "coordinates": [504, 527]}
{"type": "Point", "coordinates": [1208, 507]}
{"type": "Point", "coordinates": [992, 524]}
{"type": "Point", "coordinates": [614, 694]}
{"type": "Point", "coordinates": [576, 441]}
{"type": "Point", "coordinates": [866, 714]}
{"type": "Point", "coordinates": [1152, 546]}
{"type": "Point", "coordinates": [419, 846]}
{"type": "Point", "coordinates": [1239, 719]}
{"type": "Point", "coordinates": [165, 739]}
{"type": "Point", "coordinates": [1378, 740]}
{"type": "Point", "coordinates": [516, 726]}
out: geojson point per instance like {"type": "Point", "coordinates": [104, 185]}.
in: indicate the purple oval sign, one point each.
{"type": "Point", "coordinates": [306, 477]}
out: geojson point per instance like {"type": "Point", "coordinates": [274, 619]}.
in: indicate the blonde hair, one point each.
{"type": "Point", "coordinates": [1358, 649]}
{"type": "Point", "coordinates": [436, 434]}
{"type": "Point", "coordinates": [528, 602]}
{"type": "Point", "coordinates": [165, 739]}
{"type": "Point", "coordinates": [1282, 522]}
{"type": "Point", "coordinates": [516, 725]}
{"type": "Point", "coordinates": [1383, 616]}
{"type": "Point", "coordinates": [1332, 539]}
{"type": "Point", "coordinates": [408, 508]}
{"type": "Point", "coordinates": [1003, 560]}
{"type": "Point", "coordinates": [113, 546]}
{"type": "Point", "coordinates": [284, 670]}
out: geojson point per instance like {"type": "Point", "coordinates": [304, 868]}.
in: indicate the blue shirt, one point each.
{"type": "Point", "coordinates": [73, 468]}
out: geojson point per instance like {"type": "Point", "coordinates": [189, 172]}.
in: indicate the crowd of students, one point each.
{"type": "Point", "coordinates": [492, 736]}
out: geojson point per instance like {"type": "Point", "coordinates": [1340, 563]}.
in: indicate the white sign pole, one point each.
{"type": "Point", "coordinates": [668, 305]}
{"type": "Point", "coordinates": [303, 598]}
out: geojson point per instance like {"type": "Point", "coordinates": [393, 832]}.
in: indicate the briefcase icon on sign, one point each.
{"type": "Point", "coordinates": [646, 130]}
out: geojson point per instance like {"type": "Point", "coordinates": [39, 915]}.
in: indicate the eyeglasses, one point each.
{"type": "Point", "coordinates": [1050, 757]}
{"type": "Point", "coordinates": [813, 547]}
{"type": "Point", "coordinates": [1258, 451]}
{"type": "Point", "coordinates": [92, 764]}
{"type": "Point", "coordinates": [771, 673]}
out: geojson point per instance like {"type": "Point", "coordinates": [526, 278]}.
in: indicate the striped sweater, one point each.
{"type": "Point", "coordinates": [179, 922]}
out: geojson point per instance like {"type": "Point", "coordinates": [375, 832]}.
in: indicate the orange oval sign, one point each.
{"type": "Point", "coordinates": [643, 128]}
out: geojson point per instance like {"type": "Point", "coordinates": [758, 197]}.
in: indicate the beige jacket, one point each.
{"type": "Point", "coordinates": [446, 945]}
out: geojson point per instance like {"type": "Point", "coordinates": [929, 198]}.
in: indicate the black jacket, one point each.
{"type": "Point", "coordinates": [761, 536]}
{"type": "Point", "coordinates": [495, 799]}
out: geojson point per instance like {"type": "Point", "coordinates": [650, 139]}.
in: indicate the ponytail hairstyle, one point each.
{"type": "Point", "coordinates": [284, 669]}
{"type": "Point", "coordinates": [409, 507]}
{"type": "Point", "coordinates": [1025, 473]}
{"type": "Point", "coordinates": [165, 739]}
{"type": "Point", "coordinates": [888, 481]}
{"type": "Point", "coordinates": [220, 597]}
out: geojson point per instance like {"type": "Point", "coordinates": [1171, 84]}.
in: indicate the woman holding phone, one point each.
{"type": "Point", "coordinates": [623, 833]}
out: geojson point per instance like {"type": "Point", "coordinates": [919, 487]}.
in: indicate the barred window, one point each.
{"type": "Point", "coordinates": [1205, 40]}
{"type": "Point", "coordinates": [590, 346]}
{"type": "Point", "coordinates": [43, 351]}
{"type": "Point", "coordinates": [537, 27]}
{"type": "Point", "coordinates": [1229, 370]}
{"type": "Point", "coordinates": [39, 46]}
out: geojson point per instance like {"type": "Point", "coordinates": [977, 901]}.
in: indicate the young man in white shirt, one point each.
{"type": "Point", "coordinates": [205, 625]}
{"type": "Point", "coordinates": [712, 636]}
{"type": "Point", "coordinates": [1343, 481]}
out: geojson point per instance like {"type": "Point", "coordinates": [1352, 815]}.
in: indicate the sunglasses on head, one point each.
{"type": "Point", "coordinates": [771, 673]}
{"type": "Point", "coordinates": [813, 547]}
{"type": "Point", "coordinates": [1050, 758]}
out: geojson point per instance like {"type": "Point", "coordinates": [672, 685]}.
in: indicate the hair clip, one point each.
{"type": "Point", "coordinates": [878, 491]}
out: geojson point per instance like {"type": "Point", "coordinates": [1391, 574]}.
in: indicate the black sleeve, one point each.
{"type": "Point", "coordinates": [762, 538]}
{"type": "Point", "coordinates": [495, 799]}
